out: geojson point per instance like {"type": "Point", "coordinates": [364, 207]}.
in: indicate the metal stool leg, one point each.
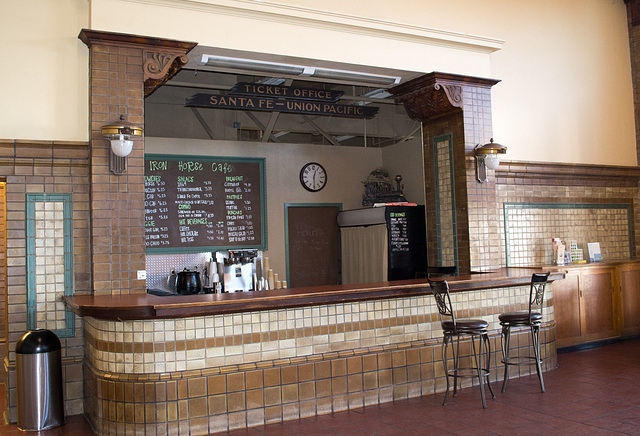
{"type": "Point", "coordinates": [477, 356]}
{"type": "Point", "coordinates": [535, 337]}
{"type": "Point", "coordinates": [485, 338]}
{"type": "Point", "coordinates": [506, 339]}
{"type": "Point", "coordinates": [445, 345]}
{"type": "Point", "coordinates": [456, 365]}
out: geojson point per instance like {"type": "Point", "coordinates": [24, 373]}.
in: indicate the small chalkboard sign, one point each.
{"type": "Point", "coordinates": [202, 203]}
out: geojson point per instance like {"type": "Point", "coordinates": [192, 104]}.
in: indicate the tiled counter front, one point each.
{"type": "Point", "coordinates": [207, 374]}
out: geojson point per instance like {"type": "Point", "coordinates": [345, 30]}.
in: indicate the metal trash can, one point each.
{"type": "Point", "coordinates": [39, 380]}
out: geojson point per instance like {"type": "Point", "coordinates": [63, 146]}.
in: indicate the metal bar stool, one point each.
{"type": "Point", "coordinates": [528, 318]}
{"type": "Point", "coordinates": [453, 330]}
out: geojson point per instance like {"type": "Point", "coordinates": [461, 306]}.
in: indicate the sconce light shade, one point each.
{"type": "Point", "coordinates": [487, 156]}
{"type": "Point", "coordinates": [121, 134]}
{"type": "Point", "coordinates": [121, 147]}
{"type": "Point", "coordinates": [492, 161]}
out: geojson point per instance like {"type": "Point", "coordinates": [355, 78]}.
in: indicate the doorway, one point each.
{"type": "Point", "coordinates": [312, 244]}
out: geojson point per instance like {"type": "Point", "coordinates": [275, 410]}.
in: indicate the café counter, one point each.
{"type": "Point", "coordinates": [147, 306]}
{"type": "Point", "coordinates": [201, 364]}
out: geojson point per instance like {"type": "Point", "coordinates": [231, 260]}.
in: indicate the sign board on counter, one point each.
{"type": "Point", "coordinates": [203, 203]}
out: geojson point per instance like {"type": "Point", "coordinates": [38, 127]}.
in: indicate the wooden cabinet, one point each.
{"type": "Point", "coordinates": [566, 310]}
{"type": "Point", "coordinates": [597, 302]}
{"type": "Point", "coordinates": [629, 278]}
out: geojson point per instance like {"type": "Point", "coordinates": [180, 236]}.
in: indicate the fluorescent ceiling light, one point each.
{"type": "Point", "coordinates": [297, 70]}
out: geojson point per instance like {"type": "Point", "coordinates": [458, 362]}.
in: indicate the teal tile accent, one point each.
{"type": "Point", "coordinates": [36, 256]}
{"type": "Point", "coordinates": [446, 223]}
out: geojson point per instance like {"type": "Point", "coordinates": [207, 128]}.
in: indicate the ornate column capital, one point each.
{"type": "Point", "coordinates": [435, 94]}
{"type": "Point", "coordinates": [163, 58]}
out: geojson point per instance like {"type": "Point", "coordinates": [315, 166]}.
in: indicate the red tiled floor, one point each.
{"type": "Point", "coordinates": [593, 392]}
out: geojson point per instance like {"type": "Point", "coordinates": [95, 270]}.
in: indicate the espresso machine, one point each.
{"type": "Point", "coordinates": [239, 269]}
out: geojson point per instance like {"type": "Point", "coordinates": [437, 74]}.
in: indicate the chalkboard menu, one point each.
{"type": "Point", "coordinates": [202, 203]}
{"type": "Point", "coordinates": [406, 241]}
{"type": "Point", "coordinates": [398, 235]}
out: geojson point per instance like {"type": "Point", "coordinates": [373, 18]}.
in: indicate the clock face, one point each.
{"type": "Point", "coordinates": [313, 176]}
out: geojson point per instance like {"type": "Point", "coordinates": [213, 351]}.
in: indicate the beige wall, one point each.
{"type": "Point", "coordinates": [564, 66]}
{"type": "Point", "coordinates": [45, 77]}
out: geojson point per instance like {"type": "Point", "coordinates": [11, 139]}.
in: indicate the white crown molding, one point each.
{"type": "Point", "coordinates": [307, 17]}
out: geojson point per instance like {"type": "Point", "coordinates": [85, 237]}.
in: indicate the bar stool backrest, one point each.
{"type": "Point", "coordinates": [440, 290]}
{"type": "Point", "coordinates": [536, 293]}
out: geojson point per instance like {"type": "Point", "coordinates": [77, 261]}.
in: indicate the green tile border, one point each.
{"type": "Point", "coordinates": [448, 138]}
{"type": "Point", "coordinates": [67, 212]}
{"type": "Point", "coordinates": [622, 206]}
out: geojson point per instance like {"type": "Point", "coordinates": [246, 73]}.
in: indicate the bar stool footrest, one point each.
{"type": "Point", "coordinates": [467, 373]}
{"type": "Point", "coordinates": [520, 360]}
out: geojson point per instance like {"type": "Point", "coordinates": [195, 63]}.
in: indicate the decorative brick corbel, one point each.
{"type": "Point", "coordinates": [160, 66]}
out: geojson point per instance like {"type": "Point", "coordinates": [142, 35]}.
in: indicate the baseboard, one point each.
{"type": "Point", "coordinates": [595, 344]}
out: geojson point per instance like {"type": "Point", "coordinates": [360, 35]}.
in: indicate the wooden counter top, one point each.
{"type": "Point", "coordinates": [610, 264]}
{"type": "Point", "coordinates": [146, 306]}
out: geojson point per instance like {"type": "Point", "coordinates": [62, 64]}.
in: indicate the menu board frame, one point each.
{"type": "Point", "coordinates": [210, 160]}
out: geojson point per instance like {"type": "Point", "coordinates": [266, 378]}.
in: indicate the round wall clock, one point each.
{"type": "Point", "coordinates": [313, 177]}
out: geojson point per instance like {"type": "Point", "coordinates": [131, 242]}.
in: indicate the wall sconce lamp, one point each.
{"type": "Point", "coordinates": [120, 135]}
{"type": "Point", "coordinates": [487, 156]}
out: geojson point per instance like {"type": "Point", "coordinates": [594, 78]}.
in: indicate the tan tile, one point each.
{"type": "Point", "coordinates": [254, 379]}
{"type": "Point", "coordinates": [289, 374]}
{"type": "Point", "coordinates": [354, 382]}
{"type": "Point", "coordinates": [236, 401]}
{"type": "Point", "coordinates": [255, 398]}
{"type": "Point", "coordinates": [369, 362]}
{"type": "Point", "coordinates": [272, 396]}
{"type": "Point", "coordinates": [384, 360]}
{"type": "Point", "coordinates": [323, 369]}
{"type": "Point", "coordinates": [354, 365]}
{"type": "Point", "coordinates": [290, 393]}
{"type": "Point", "coordinates": [273, 414]}
{"type": "Point", "coordinates": [197, 407]}
{"type": "Point", "coordinates": [307, 390]}
{"type": "Point", "coordinates": [323, 388]}
{"type": "Point", "coordinates": [339, 385]}
{"type": "Point", "coordinates": [272, 376]}
{"type": "Point", "coordinates": [217, 384]}
{"type": "Point", "coordinates": [183, 409]}
{"type": "Point", "coordinates": [307, 409]}
{"type": "Point", "coordinates": [235, 382]}
{"type": "Point", "coordinates": [385, 377]}
{"type": "Point", "coordinates": [338, 367]}
{"type": "Point", "coordinates": [306, 371]}
{"type": "Point", "coordinates": [183, 391]}
{"type": "Point", "coordinates": [399, 358]}
{"type": "Point", "coordinates": [197, 387]}
{"type": "Point", "coordinates": [217, 404]}
{"type": "Point", "coordinates": [370, 380]}
{"type": "Point", "coordinates": [172, 411]}
{"type": "Point", "coordinates": [413, 373]}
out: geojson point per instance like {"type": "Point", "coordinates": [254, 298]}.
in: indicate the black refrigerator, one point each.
{"type": "Point", "coordinates": [397, 231]}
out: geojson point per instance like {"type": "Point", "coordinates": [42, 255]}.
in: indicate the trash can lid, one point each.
{"type": "Point", "coordinates": [38, 341]}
